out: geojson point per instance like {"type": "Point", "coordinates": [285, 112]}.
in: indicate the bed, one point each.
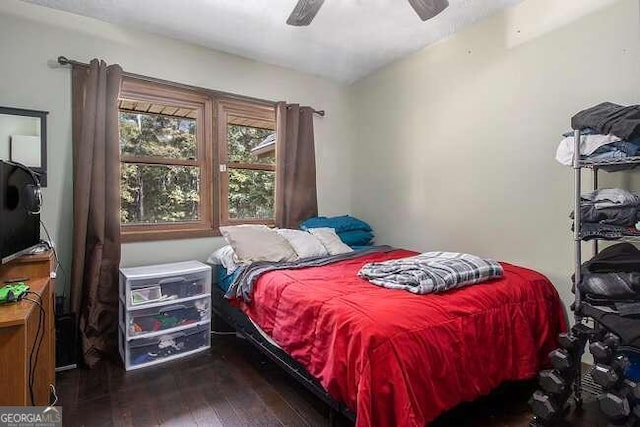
{"type": "Point", "coordinates": [388, 357]}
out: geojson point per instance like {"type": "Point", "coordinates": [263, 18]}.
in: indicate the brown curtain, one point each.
{"type": "Point", "coordinates": [96, 206]}
{"type": "Point", "coordinates": [296, 195]}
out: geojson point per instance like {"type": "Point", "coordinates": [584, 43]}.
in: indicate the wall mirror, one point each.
{"type": "Point", "coordinates": [23, 139]}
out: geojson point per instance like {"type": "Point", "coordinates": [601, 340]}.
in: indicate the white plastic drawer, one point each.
{"type": "Point", "coordinates": [143, 352]}
{"type": "Point", "coordinates": [157, 319]}
{"type": "Point", "coordinates": [154, 290]}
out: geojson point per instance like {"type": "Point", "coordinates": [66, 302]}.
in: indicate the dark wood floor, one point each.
{"type": "Point", "coordinates": [234, 385]}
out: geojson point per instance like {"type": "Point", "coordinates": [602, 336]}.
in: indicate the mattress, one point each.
{"type": "Point", "coordinates": [399, 359]}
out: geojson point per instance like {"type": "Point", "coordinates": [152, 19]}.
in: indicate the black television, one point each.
{"type": "Point", "coordinates": [20, 200]}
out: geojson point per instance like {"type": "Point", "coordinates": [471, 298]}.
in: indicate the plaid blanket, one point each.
{"type": "Point", "coordinates": [431, 272]}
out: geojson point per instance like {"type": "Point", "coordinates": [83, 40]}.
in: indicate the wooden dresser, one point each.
{"type": "Point", "coordinates": [18, 327]}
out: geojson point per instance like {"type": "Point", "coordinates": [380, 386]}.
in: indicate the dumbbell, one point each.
{"type": "Point", "coordinates": [610, 375]}
{"type": "Point", "coordinates": [568, 341]}
{"type": "Point", "coordinates": [543, 406]}
{"type": "Point", "coordinates": [547, 406]}
{"type": "Point", "coordinates": [614, 406]}
{"type": "Point", "coordinates": [602, 351]}
{"type": "Point", "coordinates": [619, 404]}
{"type": "Point", "coordinates": [561, 359]}
{"type": "Point", "coordinates": [551, 381]}
{"type": "Point", "coordinates": [605, 375]}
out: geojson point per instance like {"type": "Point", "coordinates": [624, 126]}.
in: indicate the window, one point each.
{"type": "Point", "coordinates": [166, 182]}
{"type": "Point", "coordinates": [191, 160]}
{"type": "Point", "coordinates": [246, 134]}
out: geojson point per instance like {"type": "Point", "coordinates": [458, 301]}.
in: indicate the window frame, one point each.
{"type": "Point", "coordinates": [266, 114]}
{"type": "Point", "coordinates": [207, 225]}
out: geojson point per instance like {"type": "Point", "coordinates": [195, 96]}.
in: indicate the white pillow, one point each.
{"type": "Point", "coordinates": [225, 257]}
{"type": "Point", "coordinates": [253, 243]}
{"type": "Point", "coordinates": [330, 240]}
{"type": "Point", "coordinates": [305, 244]}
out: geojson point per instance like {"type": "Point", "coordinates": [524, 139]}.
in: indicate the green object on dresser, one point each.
{"type": "Point", "coordinates": [13, 292]}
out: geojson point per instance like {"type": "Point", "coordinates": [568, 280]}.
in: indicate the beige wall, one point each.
{"type": "Point", "coordinates": [455, 144]}
{"type": "Point", "coordinates": [31, 37]}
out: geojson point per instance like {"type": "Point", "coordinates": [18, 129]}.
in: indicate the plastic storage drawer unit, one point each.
{"type": "Point", "coordinates": [157, 284]}
{"type": "Point", "coordinates": [179, 315]}
{"type": "Point", "coordinates": [165, 312]}
{"type": "Point", "coordinates": [144, 352]}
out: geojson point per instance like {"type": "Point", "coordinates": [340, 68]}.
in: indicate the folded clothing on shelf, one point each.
{"type": "Point", "coordinates": [613, 206]}
{"type": "Point", "coordinates": [589, 144]}
{"type": "Point", "coordinates": [611, 285]}
{"type": "Point", "coordinates": [618, 151]}
{"type": "Point", "coordinates": [596, 230]}
{"type": "Point", "coordinates": [597, 147]}
{"type": "Point", "coordinates": [612, 198]}
{"type": "Point", "coordinates": [623, 257]}
{"type": "Point", "coordinates": [613, 273]}
{"type": "Point", "coordinates": [610, 118]}
{"type": "Point", "coordinates": [624, 216]}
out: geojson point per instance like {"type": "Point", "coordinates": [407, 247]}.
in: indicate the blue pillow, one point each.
{"type": "Point", "coordinates": [339, 223]}
{"type": "Point", "coordinates": [356, 237]}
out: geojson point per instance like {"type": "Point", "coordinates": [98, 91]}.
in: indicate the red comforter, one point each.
{"type": "Point", "coordinates": [399, 359]}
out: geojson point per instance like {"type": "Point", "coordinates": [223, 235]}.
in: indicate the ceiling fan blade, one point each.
{"type": "Point", "coordinates": [304, 12]}
{"type": "Point", "coordinates": [427, 9]}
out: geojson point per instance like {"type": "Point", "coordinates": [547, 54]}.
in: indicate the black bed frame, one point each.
{"type": "Point", "coordinates": [241, 323]}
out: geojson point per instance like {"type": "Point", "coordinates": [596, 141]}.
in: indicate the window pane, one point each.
{"type": "Point", "coordinates": [251, 194]}
{"type": "Point", "coordinates": [151, 194]}
{"type": "Point", "coordinates": [251, 145]}
{"type": "Point", "coordinates": [157, 135]}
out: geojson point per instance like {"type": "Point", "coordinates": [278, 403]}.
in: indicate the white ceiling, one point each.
{"type": "Point", "coordinates": [347, 40]}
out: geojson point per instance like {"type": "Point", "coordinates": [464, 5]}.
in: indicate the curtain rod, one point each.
{"type": "Point", "coordinates": [63, 60]}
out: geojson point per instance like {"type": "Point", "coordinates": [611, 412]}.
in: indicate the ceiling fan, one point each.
{"type": "Point", "coordinates": [305, 10]}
